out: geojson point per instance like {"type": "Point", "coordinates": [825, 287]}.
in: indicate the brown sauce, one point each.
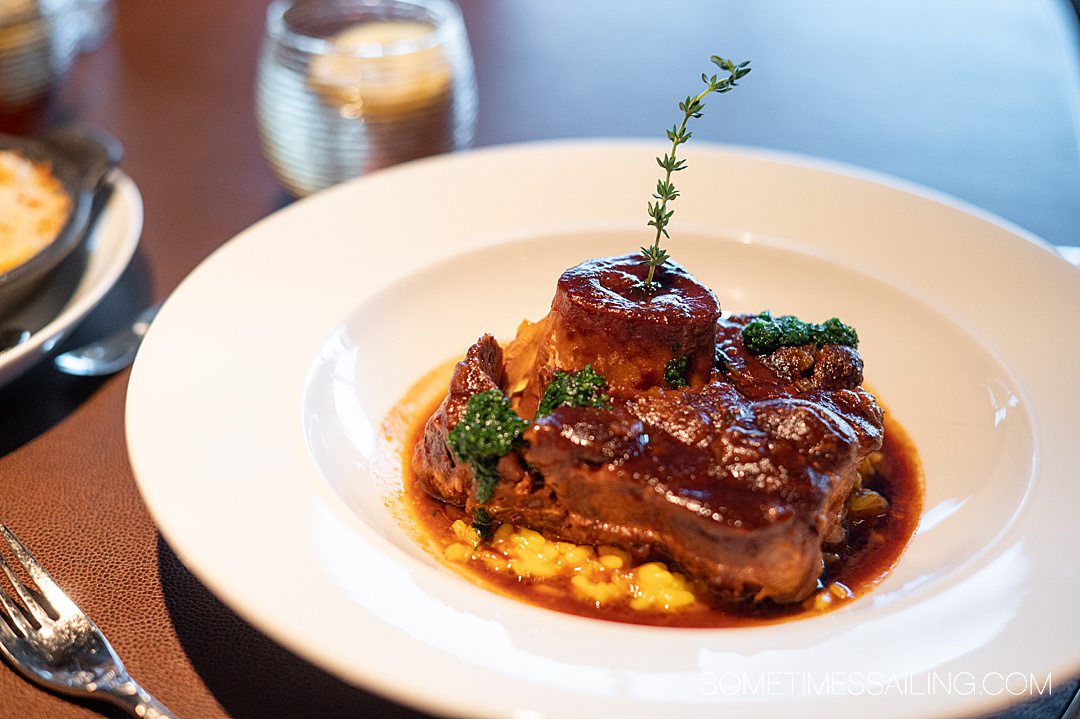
{"type": "Point", "coordinates": [871, 549]}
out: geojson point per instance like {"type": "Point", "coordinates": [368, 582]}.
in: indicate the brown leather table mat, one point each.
{"type": "Point", "coordinates": [174, 83]}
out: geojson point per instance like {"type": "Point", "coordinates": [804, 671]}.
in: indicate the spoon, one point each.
{"type": "Point", "coordinates": [111, 354]}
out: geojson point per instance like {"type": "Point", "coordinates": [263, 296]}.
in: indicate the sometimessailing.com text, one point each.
{"type": "Point", "coordinates": [811, 684]}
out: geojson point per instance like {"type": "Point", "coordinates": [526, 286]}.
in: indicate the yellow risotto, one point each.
{"type": "Point", "coordinates": [601, 576]}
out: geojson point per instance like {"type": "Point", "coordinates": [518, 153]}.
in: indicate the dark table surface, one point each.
{"type": "Point", "coordinates": [977, 98]}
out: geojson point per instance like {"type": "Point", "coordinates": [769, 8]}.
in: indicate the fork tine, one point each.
{"type": "Point", "coordinates": [9, 641]}
{"type": "Point", "coordinates": [7, 634]}
{"type": "Point", "coordinates": [15, 614]}
{"type": "Point", "coordinates": [59, 600]}
{"type": "Point", "coordinates": [29, 600]}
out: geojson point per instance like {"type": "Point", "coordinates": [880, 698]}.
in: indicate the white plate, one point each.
{"type": "Point", "coordinates": [254, 406]}
{"type": "Point", "coordinates": [79, 282]}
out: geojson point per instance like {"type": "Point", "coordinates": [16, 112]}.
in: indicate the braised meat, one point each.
{"type": "Point", "coordinates": [601, 317]}
{"type": "Point", "coordinates": [736, 478]}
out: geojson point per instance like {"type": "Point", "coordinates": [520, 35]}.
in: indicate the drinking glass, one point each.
{"type": "Point", "coordinates": [349, 86]}
{"type": "Point", "coordinates": [38, 43]}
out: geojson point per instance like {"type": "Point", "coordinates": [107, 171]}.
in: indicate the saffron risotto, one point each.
{"type": "Point", "coordinates": [602, 576]}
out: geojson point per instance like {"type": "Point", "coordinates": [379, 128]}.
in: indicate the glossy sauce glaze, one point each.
{"type": "Point", "coordinates": [870, 549]}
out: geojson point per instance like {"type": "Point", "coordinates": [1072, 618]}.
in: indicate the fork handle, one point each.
{"type": "Point", "coordinates": [129, 695]}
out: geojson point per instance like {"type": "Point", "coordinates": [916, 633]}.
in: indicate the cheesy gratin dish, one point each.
{"type": "Point", "coordinates": [33, 209]}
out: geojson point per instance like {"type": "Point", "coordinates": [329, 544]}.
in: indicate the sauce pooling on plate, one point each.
{"type": "Point", "coordinates": [604, 582]}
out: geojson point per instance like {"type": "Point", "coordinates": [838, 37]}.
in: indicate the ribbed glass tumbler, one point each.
{"type": "Point", "coordinates": [349, 86]}
{"type": "Point", "coordinates": [39, 40]}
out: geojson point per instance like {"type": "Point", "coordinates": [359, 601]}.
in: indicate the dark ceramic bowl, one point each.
{"type": "Point", "coordinates": [80, 161]}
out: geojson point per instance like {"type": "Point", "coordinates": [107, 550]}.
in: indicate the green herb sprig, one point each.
{"type": "Point", "coordinates": [584, 388]}
{"type": "Point", "coordinates": [675, 372]}
{"type": "Point", "coordinates": [488, 430]}
{"type": "Point", "coordinates": [666, 191]}
{"type": "Point", "coordinates": [483, 523]}
{"type": "Point", "coordinates": [766, 333]}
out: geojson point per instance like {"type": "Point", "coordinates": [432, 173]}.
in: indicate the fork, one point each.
{"type": "Point", "coordinates": [54, 643]}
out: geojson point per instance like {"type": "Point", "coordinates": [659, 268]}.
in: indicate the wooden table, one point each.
{"type": "Point", "coordinates": [974, 98]}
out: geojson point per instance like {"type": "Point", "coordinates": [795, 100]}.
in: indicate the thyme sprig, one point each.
{"type": "Point", "coordinates": [666, 191]}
